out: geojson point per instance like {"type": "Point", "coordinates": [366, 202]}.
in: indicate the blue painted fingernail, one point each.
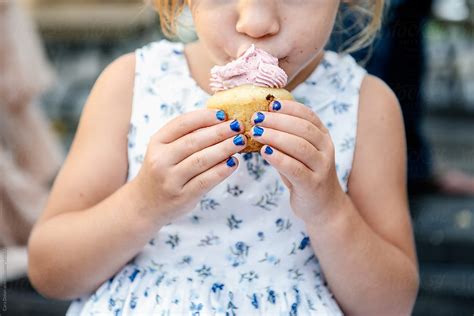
{"type": "Point", "coordinates": [230, 162]}
{"type": "Point", "coordinates": [260, 117]}
{"type": "Point", "coordinates": [268, 150]}
{"type": "Point", "coordinates": [257, 131]}
{"type": "Point", "coordinates": [235, 126]}
{"type": "Point", "coordinates": [220, 115]}
{"type": "Point", "coordinates": [239, 140]}
{"type": "Point", "coordinates": [276, 106]}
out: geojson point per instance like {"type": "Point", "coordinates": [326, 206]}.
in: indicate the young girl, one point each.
{"type": "Point", "coordinates": [148, 216]}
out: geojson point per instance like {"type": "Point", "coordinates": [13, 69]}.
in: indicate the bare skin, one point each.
{"type": "Point", "coordinates": [363, 240]}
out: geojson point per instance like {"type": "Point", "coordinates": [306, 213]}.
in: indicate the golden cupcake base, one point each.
{"type": "Point", "coordinates": [242, 102]}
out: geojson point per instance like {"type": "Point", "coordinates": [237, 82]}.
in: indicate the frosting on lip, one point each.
{"type": "Point", "coordinates": [255, 66]}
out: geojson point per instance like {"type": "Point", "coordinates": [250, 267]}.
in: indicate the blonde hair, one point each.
{"type": "Point", "coordinates": [365, 19]}
{"type": "Point", "coordinates": [367, 15]}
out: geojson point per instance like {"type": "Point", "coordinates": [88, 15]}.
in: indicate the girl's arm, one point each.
{"type": "Point", "coordinates": [90, 228]}
{"type": "Point", "coordinates": [95, 221]}
{"type": "Point", "coordinates": [366, 247]}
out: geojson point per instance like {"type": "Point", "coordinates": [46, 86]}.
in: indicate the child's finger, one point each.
{"type": "Point", "coordinates": [299, 110]}
{"type": "Point", "coordinates": [187, 123]}
{"type": "Point", "coordinates": [205, 159]}
{"type": "Point", "coordinates": [194, 142]}
{"type": "Point", "coordinates": [207, 180]}
{"type": "Point", "coordinates": [292, 145]}
{"type": "Point", "coordinates": [296, 172]}
{"type": "Point", "coordinates": [292, 125]}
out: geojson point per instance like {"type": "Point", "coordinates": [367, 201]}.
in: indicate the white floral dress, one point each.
{"type": "Point", "coordinates": [241, 250]}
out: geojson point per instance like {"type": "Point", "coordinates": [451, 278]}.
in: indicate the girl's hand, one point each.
{"type": "Point", "coordinates": [299, 146]}
{"type": "Point", "coordinates": [185, 159]}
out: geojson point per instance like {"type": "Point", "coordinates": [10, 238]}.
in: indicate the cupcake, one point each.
{"type": "Point", "coordinates": [248, 85]}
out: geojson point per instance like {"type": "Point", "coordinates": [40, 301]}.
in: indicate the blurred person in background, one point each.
{"type": "Point", "coordinates": [30, 153]}
{"type": "Point", "coordinates": [397, 57]}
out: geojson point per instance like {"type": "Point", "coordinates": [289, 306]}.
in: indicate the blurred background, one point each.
{"type": "Point", "coordinates": [52, 51]}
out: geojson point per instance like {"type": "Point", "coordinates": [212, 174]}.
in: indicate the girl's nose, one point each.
{"type": "Point", "coordinates": [258, 18]}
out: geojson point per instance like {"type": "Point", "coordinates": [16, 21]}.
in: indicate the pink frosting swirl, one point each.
{"type": "Point", "coordinates": [255, 66]}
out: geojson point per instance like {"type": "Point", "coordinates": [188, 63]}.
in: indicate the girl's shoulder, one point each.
{"type": "Point", "coordinates": [380, 133]}
{"type": "Point", "coordinates": [379, 106]}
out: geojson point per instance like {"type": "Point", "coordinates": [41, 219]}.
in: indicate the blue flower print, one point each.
{"type": "Point", "coordinates": [139, 159]}
{"type": "Point", "coordinates": [248, 276]}
{"type": "Point", "coordinates": [160, 279]}
{"type": "Point", "coordinates": [312, 257]}
{"type": "Point", "coordinates": [283, 224]}
{"type": "Point", "coordinates": [304, 242]}
{"type": "Point", "coordinates": [204, 272]}
{"type": "Point", "coordinates": [234, 190]}
{"type": "Point", "coordinates": [302, 100]}
{"type": "Point", "coordinates": [198, 104]}
{"type": "Point", "coordinates": [155, 266]}
{"type": "Point", "coordinates": [217, 287]}
{"type": "Point", "coordinates": [255, 166]}
{"type": "Point", "coordinates": [209, 240]}
{"type": "Point", "coordinates": [295, 274]}
{"type": "Point", "coordinates": [293, 249]}
{"type": "Point", "coordinates": [294, 306]}
{"type": "Point", "coordinates": [173, 240]}
{"type": "Point", "coordinates": [238, 253]}
{"type": "Point", "coordinates": [134, 274]}
{"type": "Point", "coordinates": [115, 304]}
{"type": "Point", "coordinates": [195, 308]}
{"type": "Point", "coordinates": [340, 107]}
{"type": "Point", "coordinates": [186, 260]}
{"type": "Point", "coordinates": [231, 307]}
{"type": "Point", "coordinates": [270, 258]}
{"type": "Point", "coordinates": [345, 176]}
{"type": "Point", "coordinates": [347, 144]}
{"type": "Point", "coordinates": [133, 301]}
{"type": "Point", "coordinates": [208, 204]}
{"type": "Point", "coordinates": [132, 131]}
{"type": "Point", "coordinates": [233, 222]}
{"type": "Point", "coordinates": [336, 81]}
{"type": "Point", "coordinates": [254, 300]}
{"type": "Point", "coordinates": [151, 90]}
{"type": "Point", "coordinates": [195, 219]}
{"type": "Point", "coordinates": [310, 304]}
{"type": "Point", "coordinates": [170, 109]}
{"type": "Point", "coordinates": [271, 296]}
{"type": "Point", "coordinates": [270, 198]}
{"type": "Point", "coordinates": [325, 63]}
